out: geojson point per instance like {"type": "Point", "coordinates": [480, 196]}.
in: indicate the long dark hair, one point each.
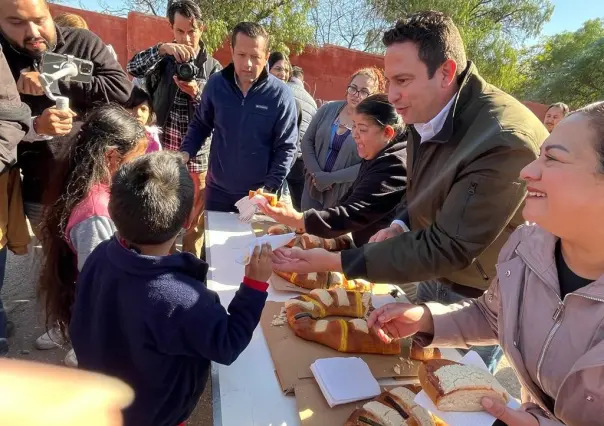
{"type": "Point", "coordinates": [82, 165]}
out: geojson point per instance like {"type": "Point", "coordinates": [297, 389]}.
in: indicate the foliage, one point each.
{"type": "Point", "coordinates": [568, 67]}
{"type": "Point", "coordinates": [492, 30]}
{"type": "Point", "coordinates": [285, 20]}
{"type": "Point", "coordinates": [354, 24]}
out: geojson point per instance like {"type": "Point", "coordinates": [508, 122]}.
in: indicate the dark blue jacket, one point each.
{"type": "Point", "coordinates": [255, 137]}
{"type": "Point", "coordinates": [152, 322]}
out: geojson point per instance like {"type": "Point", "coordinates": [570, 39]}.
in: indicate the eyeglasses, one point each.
{"type": "Point", "coordinates": [352, 90]}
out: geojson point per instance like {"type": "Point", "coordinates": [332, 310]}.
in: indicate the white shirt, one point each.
{"type": "Point", "coordinates": [427, 131]}
{"type": "Point", "coordinates": [430, 129]}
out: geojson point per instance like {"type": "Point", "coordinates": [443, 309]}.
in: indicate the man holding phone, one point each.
{"type": "Point", "coordinates": [175, 75]}
{"type": "Point", "coordinates": [27, 31]}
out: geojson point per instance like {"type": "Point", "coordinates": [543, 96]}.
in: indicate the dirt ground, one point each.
{"type": "Point", "coordinates": [19, 299]}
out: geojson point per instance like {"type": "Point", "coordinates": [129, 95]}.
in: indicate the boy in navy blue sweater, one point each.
{"type": "Point", "coordinates": [145, 316]}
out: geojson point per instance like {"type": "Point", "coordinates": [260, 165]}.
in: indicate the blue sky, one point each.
{"type": "Point", "coordinates": [568, 14]}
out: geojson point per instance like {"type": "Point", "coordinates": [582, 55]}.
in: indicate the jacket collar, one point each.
{"type": "Point", "coordinates": [536, 248]}
{"type": "Point", "coordinates": [470, 84]}
{"type": "Point", "coordinates": [296, 82]}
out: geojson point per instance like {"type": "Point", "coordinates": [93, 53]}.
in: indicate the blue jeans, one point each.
{"type": "Point", "coordinates": [435, 291]}
{"type": "Point", "coordinates": [3, 253]}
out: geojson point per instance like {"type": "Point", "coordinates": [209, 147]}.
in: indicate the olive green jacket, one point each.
{"type": "Point", "coordinates": [463, 193]}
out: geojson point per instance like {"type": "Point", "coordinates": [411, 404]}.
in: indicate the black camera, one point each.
{"type": "Point", "coordinates": [186, 71]}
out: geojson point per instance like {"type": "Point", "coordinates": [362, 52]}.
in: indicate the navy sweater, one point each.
{"type": "Point", "coordinates": [255, 137]}
{"type": "Point", "coordinates": [151, 322]}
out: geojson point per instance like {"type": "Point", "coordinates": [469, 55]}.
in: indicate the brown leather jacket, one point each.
{"type": "Point", "coordinates": [556, 347]}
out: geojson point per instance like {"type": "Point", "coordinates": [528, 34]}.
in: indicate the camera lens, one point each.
{"type": "Point", "coordinates": [186, 71]}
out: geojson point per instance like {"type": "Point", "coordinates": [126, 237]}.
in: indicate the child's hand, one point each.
{"type": "Point", "coordinates": [260, 267]}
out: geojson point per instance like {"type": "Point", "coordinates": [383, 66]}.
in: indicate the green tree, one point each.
{"type": "Point", "coordinates": [285, 20]}
{"type": "Point", "coordinates": [493, 30]}
{"type": "Point", "coordinates": [568, 67]}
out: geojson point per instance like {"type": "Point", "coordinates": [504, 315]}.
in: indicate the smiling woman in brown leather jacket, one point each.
{"type": "Point", "coordinates": [546, 305]}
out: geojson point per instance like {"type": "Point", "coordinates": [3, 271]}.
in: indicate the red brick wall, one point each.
{"type": "Point", "coordinates": [326, 70]}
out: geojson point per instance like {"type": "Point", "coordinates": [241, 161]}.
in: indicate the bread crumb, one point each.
{"type": "Point", "coordinates": [397, 369]}
{"type": "Point", "coordinates": [279, 320]}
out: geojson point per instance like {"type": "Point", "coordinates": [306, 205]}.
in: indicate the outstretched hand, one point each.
{"type": "Point", "coordinates": [399, 320]}
{"type": "Point", "coordinates": [283, 213]}
{"type": "Point", "coordinates": [306, 261]}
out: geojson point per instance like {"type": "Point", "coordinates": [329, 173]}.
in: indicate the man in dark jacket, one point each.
{"type": "Point", "coordinates": [175, 100]}
{"type": "Point", "coordinates": [14, 123]}
{"type": "Point", "coordinates": [27, 31]}
{"type": "Point", "coordinates": [253, 116]}
{"type": "Point", "coordinates": [467, 145]}
{"type": "Point", "coordinates": [307, 108]}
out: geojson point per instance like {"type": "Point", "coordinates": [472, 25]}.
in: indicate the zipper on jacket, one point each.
{"type": "Point", "coordinates": [471, 191]}
{"type": "Point", "coordinates": [481, 271]}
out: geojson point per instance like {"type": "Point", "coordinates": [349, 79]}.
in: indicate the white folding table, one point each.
{"type": "Point", "coordinates": [247, 392]}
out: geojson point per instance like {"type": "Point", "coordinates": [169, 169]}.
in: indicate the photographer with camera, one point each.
{"type": "Point", "coordinates": [175, 75]}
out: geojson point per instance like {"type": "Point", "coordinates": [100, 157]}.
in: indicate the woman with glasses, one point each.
{"type": "Point", "coordinates": [279, 66]}
{"type": "Point", "coordinates": [330, 155]}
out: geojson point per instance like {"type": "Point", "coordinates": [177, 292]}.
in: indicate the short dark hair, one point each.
{"type": "Point", "coordinates": [436, 37]}
{"type": "Point", "coordinates": [151, 198]}
{"type": "Point", "coordinates": [565, 109]}
{"type": "Point", "coordinates": [381, 111]}
{"type": "Point", "coordinates": [250, 29]}
{"type": "Point", "coordinates": [186, 8]}
{"type": "Point", "coordinates": [595, 116]}
{"type": "Point", "coordinates": [298, 72]}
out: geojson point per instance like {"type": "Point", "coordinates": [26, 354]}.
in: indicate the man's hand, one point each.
{"type": "Point", "coordinates": [386, 234]}
{"type": "Point", "coordinates": [29, 83]}
{"type": "Point", "coordinates": [181, 52]}
{"type": "Point", "coordinates": [54, 122]}
{"type": "Point", "coordinates": [306, 261]}
{"type": "Point", "coordinates": [191, 88]}
{"type": "Point", "coordinates": [399, 320]}
{"type": "Point", "coordinates": [283, 213]}
{"type": "Point", "coordinates": [508, 415]}
{"type": "Point", "coordinates": [260, 267]}
{"type": "Point", "coordinates": [185, 156]}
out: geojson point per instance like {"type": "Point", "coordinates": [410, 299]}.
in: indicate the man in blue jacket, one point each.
{"type": "Point", "coordinates": [253, 117]}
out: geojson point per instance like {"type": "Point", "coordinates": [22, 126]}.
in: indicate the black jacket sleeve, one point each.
{"type": "Point", "coordinates": [14, 116]}
{"type": "Point", "coordinates": [376, 192]}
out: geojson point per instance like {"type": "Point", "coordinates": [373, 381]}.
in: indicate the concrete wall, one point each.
{"type": "Point", "coordinates": [327, 70]}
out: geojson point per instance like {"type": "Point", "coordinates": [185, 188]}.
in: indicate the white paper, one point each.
{"type": "Point", "coordinates": [344, 380]}
{"type": "Point", "coordinates": [248, 207]}
{"type": "Point", "coordinates": [276, 241]}
{"type": "Point", "coordinates": [379, 300]}
{"type": "Point", "coordinates": [452, 418]}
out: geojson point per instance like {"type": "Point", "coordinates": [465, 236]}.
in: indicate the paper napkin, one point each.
{"type": "Point", "coordinates": [481, 418]}
{"type": "Point", "coordinates": [344, 380]}
{"type": "Point", "coordinates": [276, 241]}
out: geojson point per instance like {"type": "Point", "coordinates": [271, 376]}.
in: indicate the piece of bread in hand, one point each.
{"type": "Point", "coordinates": [418, 353]}
{"type": "Point", "coordinates": [456, 387]}
{"type": "Point", "coordinates": [279, 229]}
{"type": "Point", "coordinates": [402, 400]}
{"type": "Point", "coordinates": [271, 198]}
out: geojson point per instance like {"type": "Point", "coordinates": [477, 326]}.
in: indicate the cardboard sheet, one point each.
{"type": "Point", "coordinates": [293, 356]}
{"type": "Point", "coordinates": [314, 410]}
